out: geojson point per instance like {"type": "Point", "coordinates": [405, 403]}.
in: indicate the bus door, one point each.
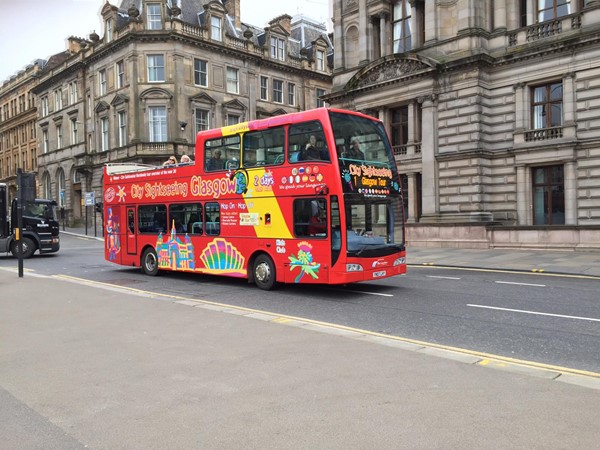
{"type": "Point", "coordinates": [130, 232]}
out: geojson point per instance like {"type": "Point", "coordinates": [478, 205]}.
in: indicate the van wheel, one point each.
{"type": "Point", "coordinates": [264, 272]}
{"type": "Point", "coordinates": [28, 248]}
{"type": "Point", "coordinates": [149, 262]}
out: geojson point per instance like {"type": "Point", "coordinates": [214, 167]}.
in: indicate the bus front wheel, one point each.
{"type": "Point", "coordinates": [149, 262]}
{"type": "Point", "coordinates": [264, 272]}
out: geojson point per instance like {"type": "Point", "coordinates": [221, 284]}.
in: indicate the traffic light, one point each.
{"type": "Point", "coordinates": [99, 207]}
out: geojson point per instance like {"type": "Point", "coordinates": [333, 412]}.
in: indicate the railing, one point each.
{"type": "Point", "coordinates": [545, 29]}
{"type": "Point", "coordinates": [192, 30]}
{"type": "Point", "coordinates": [407, 150]}
{"type": "Point", "coordinates": [543, 134]}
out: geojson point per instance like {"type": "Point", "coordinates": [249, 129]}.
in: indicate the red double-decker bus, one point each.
{"type": "Point", "coordinates": [307, 197]}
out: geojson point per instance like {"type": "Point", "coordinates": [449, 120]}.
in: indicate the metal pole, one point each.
{"type": "Point", "coordinates": [95, 215]}
{"type": "Point", "coordinates": [20, 220]}
{"type": "Point", "coordinates": [86, 219]}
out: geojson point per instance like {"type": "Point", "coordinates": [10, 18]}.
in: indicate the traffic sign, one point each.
{"type": "Point", "coordinates": [89, 199]}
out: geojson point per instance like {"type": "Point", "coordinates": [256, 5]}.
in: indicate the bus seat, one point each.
{"type": "Point", "coordinates": [294, 156]}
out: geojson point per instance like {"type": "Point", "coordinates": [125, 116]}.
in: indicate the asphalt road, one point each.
{"type": "Point", "coordinates": [550, 320]}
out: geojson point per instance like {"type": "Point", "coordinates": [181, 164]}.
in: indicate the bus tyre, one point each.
{"type": "Point", "coordinates": [28, 248]}
{"type": "Point", "coordinates": [264, 272]}
{"type": "Point", "coordinates": [149, 262]}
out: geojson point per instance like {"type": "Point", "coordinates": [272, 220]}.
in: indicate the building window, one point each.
{"type": "Point", "coordinates": [45, 146]}
{"type": "Point", "coordinates": [73, 131]}
{"type": "Point", "coordinates": [58, 104]}
{"type": "Point", "coordinates": [45, 108]}
{"type": "Point", "coordinates": [104, 134]}
{"type": "Point", "coordinates": [233, 84]}
{"type": "Point", "coordinates": [59, 136]}
{"type": "Point", "coordinates": [320, 60]}
{"type": "Point", "coordinates": [399, 131]}
{"type": "Point", "coordinates": [153, 16]}
{"type": "Point", "coordinates": [200, 73]}
{"type": "Point", "coordinates": [73, 93]}
{"type": "Point", "coordinates": [548, 195]}
{"type": "Point", "coordinates": [215, 28]}
{"type": "Point", "coordinates": [278, 91]}
{"type": "Point", "coordinates": [202, 123]}
{"type": "Point", "coordinates": [264, 88]}
{"type": "Point", "coordinates": [291, 94]}
{"type": "Point", "coordinates": [122, 122]}
{"type": "Point", "coordinates": [108, 32]}
{"type": "Point", "coordinates": [158, 123]}
{"type": "Point", "coordinates": [47, 186]}
{"type": "Point", "coordinates": [120, 74]}
{"type": "Point", "coordinates": [402, 26]}
{"type": "Point", "coordinates": [156, 68]}
{"type": "Point", "coordinates": [551, 9]}
{"type": "Point", "coordinates": [547, 106]}
{"type": "Point", "coordinates": [61, 188]}
{"type": "Point", "coordinates": [102, 82]}
{"type": "Point", "coordinates": [233, 119]}
{"type": "Point", "coordinates": [320, 93]}
{"type": "Point", "coordinates": [278, 48]}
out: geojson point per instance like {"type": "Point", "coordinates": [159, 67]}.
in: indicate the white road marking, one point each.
{"type": "Point", "coordinates": [520, 284]}
{"type": "Point", "coordinates": [369, 293]}
{"type": "Point", "coordinates": [444, 278]}
{"type": "Point", "coordinates": [535, 312]}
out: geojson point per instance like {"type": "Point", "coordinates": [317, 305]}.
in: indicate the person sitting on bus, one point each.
{"type": "Point", "coordinates": [310, 151]}
{"type": "Point", "coordinates": [185, 159]}
{"type": "Point", "coordinates": [171, 161]}
{"type": "Point", "coordinates": [354, 152]}
{"type": "Point", "coordinates": [215, 162]}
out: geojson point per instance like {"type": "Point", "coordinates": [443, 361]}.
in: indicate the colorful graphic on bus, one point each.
{"type": "Point", "coordinates": [308, 197]}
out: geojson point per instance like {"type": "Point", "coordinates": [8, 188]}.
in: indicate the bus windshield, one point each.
{"type": "Point", "coordinates": [359, 140]}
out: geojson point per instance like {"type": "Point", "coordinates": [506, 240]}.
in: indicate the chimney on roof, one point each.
{"type": "Point", "coordinates": [74, 45]}
{"type": "Point", "coordinates": [233, 9]}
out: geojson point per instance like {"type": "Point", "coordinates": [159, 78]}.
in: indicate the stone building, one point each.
{"type": "Point", "coordinates": [492, 107]}
{"type": "Point", "coordinates": [18, 115]}
{"type": "Point", "coordinates": [162, 71]}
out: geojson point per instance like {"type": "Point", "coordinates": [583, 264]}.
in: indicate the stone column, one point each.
{"type": "Point", "coordinates": [411, 196]}
{"type": "Point", "coordinates": [428, 155]}
{"type": "Point", "coordinates": [569, 99]}
{"type": "Point", "coordinates": [414, 23]}
{"type": "Point", "coordinates": [570, 193]}
{"type": "Point", "coordinates": [383, 47]}
{"type": "Point", "coordinates": [363, 33]}
{"type": "Point", "coordinates": [500, 15]}
{"type": "Point", "coordinates": [523, 205]}
{"type": "Point", "coordinates": [520, 107]}
{"type": "Point", "coordinates": [338, 35]}
{"type": "Point", "coordinates": [431, 22]}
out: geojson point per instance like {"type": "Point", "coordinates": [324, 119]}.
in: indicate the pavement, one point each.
{"type": "Point", "coordinates": [88, 365]}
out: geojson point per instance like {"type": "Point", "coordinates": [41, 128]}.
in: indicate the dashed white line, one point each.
{"type": "Point", "coordinates": [444, 278]}
{"type": "Point", "coordinates": [534, 312]}
{"type": "Point", "coordinates": [520, 284]}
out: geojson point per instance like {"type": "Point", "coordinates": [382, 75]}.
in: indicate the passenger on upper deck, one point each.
{"type": "Point", "coordinates": [311, 152]}
{"type": "Point", "coordinates": [215, 162]}
{"type": "Point", "coordinates": [354, 152]}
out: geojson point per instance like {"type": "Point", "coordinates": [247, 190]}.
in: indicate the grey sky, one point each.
{"type": "Point", "coordinates": [37, 29]}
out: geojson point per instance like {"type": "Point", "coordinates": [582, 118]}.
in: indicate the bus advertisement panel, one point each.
{"type": "Point", "coordinates": [308, 197]}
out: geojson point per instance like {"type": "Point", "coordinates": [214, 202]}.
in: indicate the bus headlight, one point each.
{"type": "Point", "coordinates": [354, 268]}
{"type": "Point", "coordinates": [401, 260]}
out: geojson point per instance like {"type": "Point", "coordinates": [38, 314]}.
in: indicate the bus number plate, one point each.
{"type": "Point", "coordinates": [379, 273]}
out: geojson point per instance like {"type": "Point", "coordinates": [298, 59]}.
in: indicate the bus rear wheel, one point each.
{"type": "Point", "coordinates": [28, 248]}
{"type": "Point", "coordinates": [264, 272]}
{"type": "Point", "coordinates": [149, 262]}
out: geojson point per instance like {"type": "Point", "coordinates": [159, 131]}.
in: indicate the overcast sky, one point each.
{"type": "Point", "coordinates": [37, 29]}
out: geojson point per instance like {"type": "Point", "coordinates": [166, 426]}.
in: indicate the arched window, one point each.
{"type": "Point", "coordinates": [60, 181]}
{"type": "Point", "coordinates": [47, 186]}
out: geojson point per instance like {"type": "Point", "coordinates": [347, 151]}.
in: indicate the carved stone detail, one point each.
{"type": "Point", "coordinates": [391, 71]}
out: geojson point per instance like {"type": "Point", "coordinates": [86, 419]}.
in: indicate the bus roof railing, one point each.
{"type": "Point", "coordinates": [115, 168]}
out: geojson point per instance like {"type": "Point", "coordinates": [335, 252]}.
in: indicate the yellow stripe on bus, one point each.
{"type": "Point", "coordinates": [235, 129]}
{"type": "Point", "coordinates": [262, 203]}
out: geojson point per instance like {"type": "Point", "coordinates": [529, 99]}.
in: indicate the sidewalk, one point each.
{"type": "Point", "coordinates": [105, 368]}
{"type": "Point", "coordinates": [557, 262]}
